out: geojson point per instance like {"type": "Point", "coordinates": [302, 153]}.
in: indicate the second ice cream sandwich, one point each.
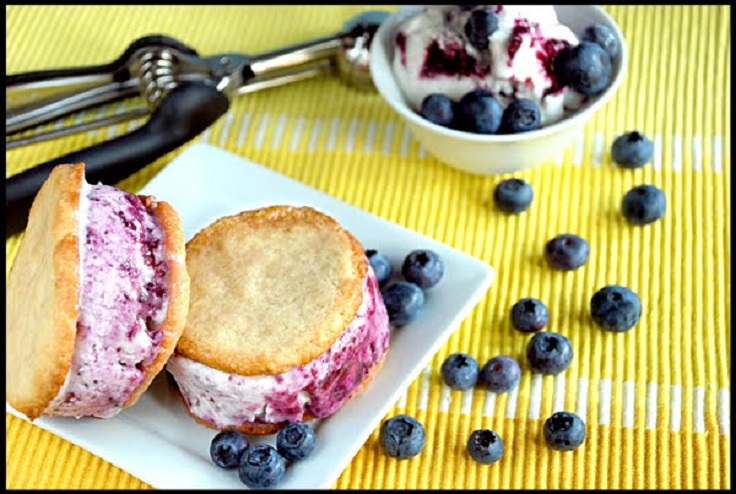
{"type": "Point", "coordinates": [286, 322]}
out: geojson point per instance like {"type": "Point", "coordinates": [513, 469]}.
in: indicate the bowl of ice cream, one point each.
{"type": "Point", "coordinates": [425, 52]}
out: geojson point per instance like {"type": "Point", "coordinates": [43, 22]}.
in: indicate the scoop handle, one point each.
{"type": "Point", "coordinates": [182, 115]}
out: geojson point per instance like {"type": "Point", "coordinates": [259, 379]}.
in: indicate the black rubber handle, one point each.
{"type": "Point", "coordinates": [118, 68]}
{"type": "Point", "coordinates": [182, 115]}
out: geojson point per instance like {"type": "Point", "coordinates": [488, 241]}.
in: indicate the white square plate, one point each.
{"type": "Point", "coordinates": [156, 441]}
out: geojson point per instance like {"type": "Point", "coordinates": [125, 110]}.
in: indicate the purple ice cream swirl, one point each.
{"type": "Point", "coordinates": [318, 388]}
{"type": "Point", "coordinates": [122, 302]}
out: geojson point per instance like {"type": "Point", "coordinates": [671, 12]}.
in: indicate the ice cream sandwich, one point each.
{"type": "Point", "coordinates": [286, 322]}
{"type": "Point", "coordinates": [97, 298]}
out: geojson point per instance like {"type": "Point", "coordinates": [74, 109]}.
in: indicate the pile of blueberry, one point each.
{"type": "Point", "coordinates": [421, 270]}
{"type": "Point", "coordinates": [262, 466]}
{"type": "Point", "coordinates": [586, 68]}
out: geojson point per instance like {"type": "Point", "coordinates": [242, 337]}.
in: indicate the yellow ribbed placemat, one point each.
{"type": "Point", "coordinates": [656, 400]}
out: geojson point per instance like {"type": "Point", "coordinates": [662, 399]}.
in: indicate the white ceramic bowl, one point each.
{"type": "Point", "coordinates": [492, 154]}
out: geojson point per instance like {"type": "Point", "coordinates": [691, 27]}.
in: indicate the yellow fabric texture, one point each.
{"type": "Point", "coordinates": [656, 399]}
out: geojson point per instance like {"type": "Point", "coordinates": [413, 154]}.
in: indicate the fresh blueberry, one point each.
{"type": "Point", "coordinates": [549, 353]}
{"type": "Point", "coordinates": [227, 448]}
{"type": "Point", "coordinates": [500, 374]}
{"type": "Point", "coordinates": [438, 109]}
{"type": "Point", "coordinates": [479, 112]}
{"type": "Point", "coordinates": [402, 437]}
{"type": "Point", "coordinates": [262, 467]}
{"type": "Point", "coordinates": [603, 36]}
{"type": "Point", "coordinates": [485, 446]}
{"type": "Point", "coordinates": [480, 25]}
{"type": "Point", "coordinates": [615, 308]}
{"type": "Point", "coordinates": [522, 115]}
{"type": "Point", "coordinates": [564, 431]}
{"type": "Point", "coordinates": [529, 315]}
{"type": "Point", "coordinates": [295, 441]}
{"type": "Point", "coordinates": [460, 371]}
{"type": "Point", "coordinates": [403, 301]}
{"type": "Point", "coordinates": [513, 195]}
{"type": "Point", "coordinates": [423, 267]}
{"type": "Point", "coordinates": [585, 67]}
{"type": "Point", "coordinates": [643, 204]}
{"type": "Point", "coordinates": [632, 150]}
{"type": "Point", "coordinates": [381, 266]}
{"type": "Point", "coordinates": [566, 252]}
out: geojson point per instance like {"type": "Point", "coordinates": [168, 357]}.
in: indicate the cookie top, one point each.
{"type": "Point", "coordinates": [271, 289]}
{"type": "Point", "coordinates": [43, 295]}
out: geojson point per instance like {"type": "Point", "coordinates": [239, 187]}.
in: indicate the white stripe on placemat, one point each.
{"type": "Point", "coordinates": [489, 405]}
{"type": "Point", "coordinates": [651, 406]}
{"type": "Point", "coordinates": [352, 131]}
{"type": "Point", "coordinates": [243, 130]}
{"type": "Point", "coordinates": [699, 409]}
{"type": "Point", "coordinates": [675, 407]}
{"type": "Point", "coordinates": [724, 411]}
{"type": "Point", "coordinates": [278, 132]}
{"type": "Point", "coordinates": [629, 397]}
{"type": "Point", "coordinates": [581, 407]}
{"type": "Point", "coordinates": [296, 134]}
{"type": "Point", "coordinates": [558, 405]}
{"type": "Point", "coordinates": [314, 135]}
{"type": "Point", "coordinates": [261, 131]}
{"type": "Point", "coordinates": [511, 403]}
{"type": "Point", "coordinates": [388, 137]}
{"type": "Point", "coordinates": [697, 153]}
{"type": "Point", "coordinates": [445, 397]}
{"type": "Point", "coordinates": [604, 413]}
{"type": "Point", "coordinates": [466, 406]}
{"type": "Point", "coordinates": [405, 140]}
{"type": "Point", "coordinates": [578, 148]}
{"type": "Point", "coordinates": [370, 137]}
{"type": "Point", "coordinates": [332, 137]}
{"type": "Point", "coordinates": [657, 158]}
{"type": "Point", "coordinates": [225, 132]}
{"type": "Point", "coordinates": [717, 155]}
{"type": "Point", "coordinates": [535, 396]}
{"type": "Point", "coordinates": [421, 153]}
{"type": "Point", "coordinates": [402, 400]}
{"type": "Point", "coordinates": [677, 153]}
{"type": "Point", "coordinates": [206, 135]}
{"type": "Point", "coordinates": [598, 143]}
{"type": "Point", "coordinates": [424, 389]}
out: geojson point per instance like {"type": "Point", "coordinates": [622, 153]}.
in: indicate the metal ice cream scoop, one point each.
{"type": "Point", "coordinates": [184, 93]}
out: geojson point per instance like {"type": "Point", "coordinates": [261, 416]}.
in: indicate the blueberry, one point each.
{"type": "Point", "coordinates": [262, 467]}
{"type": "Point", "coordinates": [566, 252]}
{"type": "Point", "coordinates": [500, 374]}
{"type": "Point", "coordinates": [643, 204]}
{"type": "Point", "coordinates": [529, 315]}
{"type": "Point", "coordinates": [460, 371]}
{"type": "Point", "coordinates": [615, 308]}
{"type": "Point", "coordinates": [438, 109]}
{"type": "Point", "coordinates": [632, 150]}
{"type": "Point", "coordinates": [513, 196]}
{"type": "Point", "coordinates": [549, 353]}
{"type": "Point", "coordinates": [295, 441]}
{"type": "Point", "coordinates": [381, 266]}
{"type": "Point", "coordinates": [564, 431]}
{"type": "Point", "coordinates": [585, 67]}
{"type": "Point", "coordinates": [227, 448]}
{"type": "Point", "coordinates": [603, 36]}
{"type": "Point", "coordinates": [485, 446]}
{"type": "Point", "coordinates": [479, 112]}
{"type": "Point", "coordinates": [402, 437]}
{"type": "Point", "coordinates": [403, 301]}
{"type": "Point", "coordinates": [480, 25]}
{"type": "Point", "coordinates": [423, 267]}
{"type": "Point", "coordinates": [522, 115]}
